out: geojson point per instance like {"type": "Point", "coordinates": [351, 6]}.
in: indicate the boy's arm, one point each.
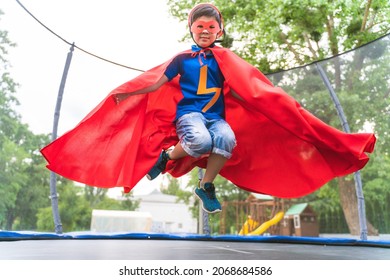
{"type": "Point", "coordinates": [119, 97]}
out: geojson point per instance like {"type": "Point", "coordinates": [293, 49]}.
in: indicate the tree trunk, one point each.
{"type": "Point", "coordinates": [333, 43]}
{"type": "Point", "coordinates": [10, 218]}
{"type": "Point", "coordinates": [366, 13]}
{"type": "Point", "coordinates": [349, 203]}
{"type": "Point", "coordinates": [291, 48]}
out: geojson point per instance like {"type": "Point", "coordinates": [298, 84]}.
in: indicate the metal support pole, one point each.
{"type": "Point", "coordinates": [358, 181]}
{"type": "Point", "coordinates": [53, 177]}
{"type": "Point", "coordinates": [204, 227]}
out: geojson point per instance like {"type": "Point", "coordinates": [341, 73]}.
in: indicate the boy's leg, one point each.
{"type": "Point", "coordinates": [206, 189]}
{"type": "Point", "coordinates": [223, 144]}
{"type": "Point", "coordinates": [177, 152]}
{"type": "Point", "coordinates": [162, 161]}
{"type": "Point", "coordinates": [193, 134]}
{"type": "Point", "coordinates": [159, 166]}
{"type": "Point", "coordinates": [207, 197]}
{"type": "Point", "coordinates": [214, 165]}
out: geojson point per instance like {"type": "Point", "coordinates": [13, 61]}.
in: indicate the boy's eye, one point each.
{"type": "Point", "coordinates": [199, 26]}
{"type": "Point", "coordinates": [209, 27]}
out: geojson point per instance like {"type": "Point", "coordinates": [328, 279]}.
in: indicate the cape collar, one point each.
{"type": "Point", "coordinates": [201, 52]}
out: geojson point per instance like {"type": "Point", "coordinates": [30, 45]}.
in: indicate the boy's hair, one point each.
{"type": "Point", "coordinates": [208, 10]}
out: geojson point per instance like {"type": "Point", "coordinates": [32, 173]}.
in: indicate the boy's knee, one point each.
{"type": "Point", "coordinates": [230, 141]}
{"type": "Point", "coordinates": [226, 142]}
{"type": "Point", "coordinates": [198, 143]}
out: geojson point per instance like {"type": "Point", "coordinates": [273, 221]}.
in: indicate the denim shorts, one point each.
{"type": "Point", "coordinates": [199, 136]}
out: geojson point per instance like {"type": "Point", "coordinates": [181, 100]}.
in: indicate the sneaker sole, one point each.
{"type": "Point", "coordinates": [201, 202]}
{"type": "Point", "coordinates": [150, 176]}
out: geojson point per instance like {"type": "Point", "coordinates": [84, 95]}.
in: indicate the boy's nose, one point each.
{"type": "Point", "coordinates": [205, 31]}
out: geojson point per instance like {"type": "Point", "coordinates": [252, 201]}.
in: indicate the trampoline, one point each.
{"type": "Point", "coordinates": [154, 246]}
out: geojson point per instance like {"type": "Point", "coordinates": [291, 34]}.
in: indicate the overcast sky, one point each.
{"type": "Point", "coordinates": [139, 34]}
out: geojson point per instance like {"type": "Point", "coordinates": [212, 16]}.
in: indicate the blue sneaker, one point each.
{"type": "Point", "coordinates": [208, 199]}
{"type": "Point", "coordinates": [159, 166]}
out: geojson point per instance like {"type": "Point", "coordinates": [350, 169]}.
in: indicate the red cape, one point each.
{"type": "Point", "coordinates": [282, 149]}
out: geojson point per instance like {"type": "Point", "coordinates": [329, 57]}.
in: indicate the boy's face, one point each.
{"type": "Point", "coordinates": [205, 31]}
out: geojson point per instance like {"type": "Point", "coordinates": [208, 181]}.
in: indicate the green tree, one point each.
{"type": "Point", "coordinates": [281, 34]}
{"type": "Point", "coordinates": [75, 211]}
{"type": "Point", "coordinates": [173, 187]}
{"type": "Point", "coordinates": [21, 167]}
{"type": "Point", "coordinates": [275, 35]}
{"type": "Point", "coordinates": [8, 187]}
{"type": "Point", "coordinates": [34, 192]}
{"type": "Point", "coordinates": [98, 199]}
{"type": "Point", "coordinates": [363, 92]}
{"type": "Point", "coordinates": [76, 204]}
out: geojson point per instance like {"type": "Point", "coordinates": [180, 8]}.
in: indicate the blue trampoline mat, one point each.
{"type": "Point", "coordinates": [147, 246]}
{"type": "Point", "coordinates": [32, 235]}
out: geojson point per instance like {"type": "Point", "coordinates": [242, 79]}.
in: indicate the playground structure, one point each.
{"type": "Point", "coordinates": [250, 226]}
{"type": "Point", "coordinates": [254, 216]}
{"type": "Point", "coordinates": [300, 220]}
{"type": "Point", "coordinates": [265, 215]}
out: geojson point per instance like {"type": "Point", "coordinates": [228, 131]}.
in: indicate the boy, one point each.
{"type": "Point", "coordinates": [200, 118]}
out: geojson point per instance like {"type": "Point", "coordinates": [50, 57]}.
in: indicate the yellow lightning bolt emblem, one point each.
{"type": "Point", "coordinates": [202, 88]}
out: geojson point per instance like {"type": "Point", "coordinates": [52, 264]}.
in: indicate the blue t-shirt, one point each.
{"type": "Point", "coordinates": [201, 83]}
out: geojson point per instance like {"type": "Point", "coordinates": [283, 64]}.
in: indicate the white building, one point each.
{"type": "Point", "coordinates": [120, 221]}
{"type": "Point", "coordinates": [168, 215]}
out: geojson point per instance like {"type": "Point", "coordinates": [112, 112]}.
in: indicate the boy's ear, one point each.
{"type": "Point", "coordinates": [219, 34]}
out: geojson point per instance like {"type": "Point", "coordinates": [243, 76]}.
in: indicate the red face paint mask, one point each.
{"type": "Point", "coordinates": [211, 26]}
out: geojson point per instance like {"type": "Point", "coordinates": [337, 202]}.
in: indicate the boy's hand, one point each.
{"type": "Point", "coordinates": [119, 97]}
